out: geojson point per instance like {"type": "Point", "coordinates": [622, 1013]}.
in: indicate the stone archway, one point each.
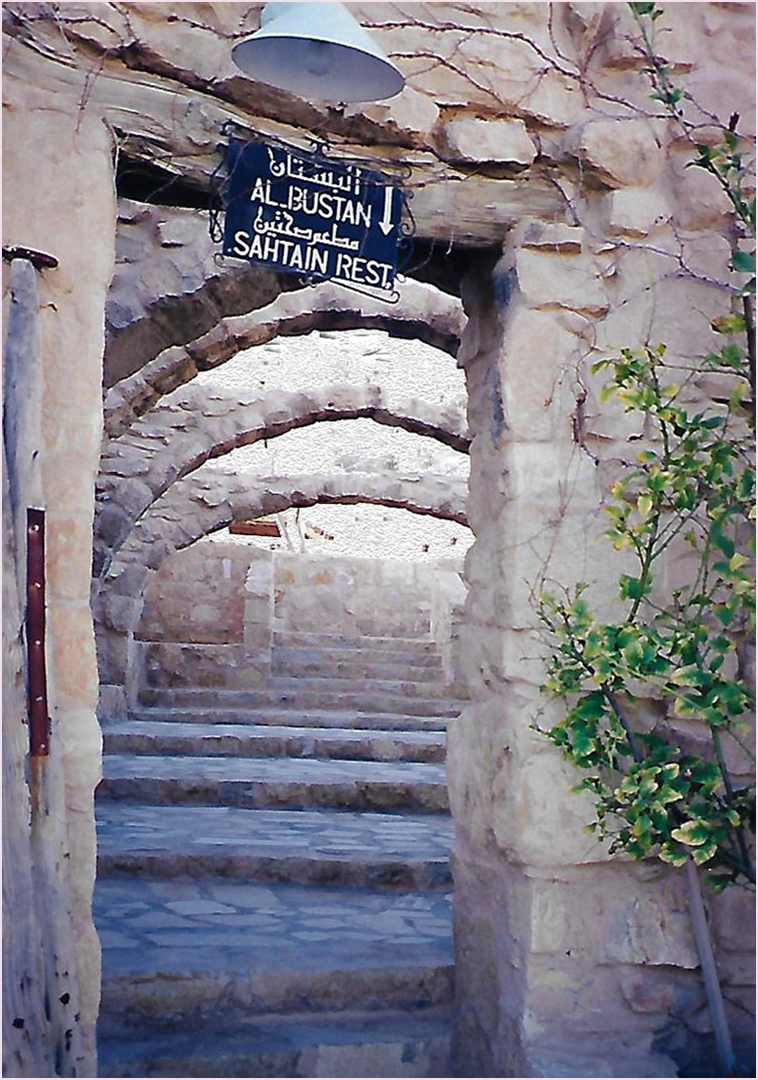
{"type": "Point", "coordinates": [423, 313]}
{"type": "Point", "coordinates": [206, 502]}
{"type": "Point", "coordinates": [193, 426]}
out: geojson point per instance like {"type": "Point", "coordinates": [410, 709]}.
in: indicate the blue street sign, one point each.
{"type": "Point", "coordinates": [311, 216]}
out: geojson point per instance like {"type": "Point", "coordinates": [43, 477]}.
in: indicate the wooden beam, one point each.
{"type": "Point", "coordinates": [255, 528]}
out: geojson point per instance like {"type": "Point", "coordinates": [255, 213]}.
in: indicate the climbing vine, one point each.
{"type": "Point", "coordinates": [661, 786]}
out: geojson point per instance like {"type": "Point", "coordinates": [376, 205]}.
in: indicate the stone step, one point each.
{"type": "Point", "coordinates": [390, 1045]}
{"type": "Point", "coordinates": [324, 684]}
{"type": "Point", "coordinates": [357, 669]}
{"type": "Point", "coordinates": [286, 717]}
{"type": "Point", "coordinates": [405, 851]}
{"type": "Point", "coordinates": [271, 782]}
{"type": "Point", "coordinates": [304, 639]}
{"type": "Point", "coordinates": [307, 700]}
{"type": "Point", "coordinates": [328, 654]}
{"type": "Point", "coordinates": [233, 740]}
{"type": "Point", "coordinates": [175, 952]}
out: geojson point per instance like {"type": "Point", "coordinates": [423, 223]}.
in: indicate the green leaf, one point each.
{"type": "Point", "coordinates": [674, 855]}
{"type": "Point", "coordinates": [644, 506]}
{"type": "Point", "coordinates": [703, 854]}
{"type": "Point", "coordinates": [630, 588]}
{"type": "Point", "coordinates": [728, 324]}
{"type": "Point", "coordinates": [691, 675]}
{"type": "Point", "coordinates": [693, 833]}
{"type": "Point", "coordinates": [743, 262]}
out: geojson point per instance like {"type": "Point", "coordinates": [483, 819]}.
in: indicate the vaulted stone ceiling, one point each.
{"type": "Point", "coordinates": [194, 425]}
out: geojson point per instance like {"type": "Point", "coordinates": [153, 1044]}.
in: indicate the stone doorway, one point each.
{"type": "Point", "coordinates": [278, 779]}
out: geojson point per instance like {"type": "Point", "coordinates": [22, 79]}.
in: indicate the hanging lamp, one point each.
{"type": "Point", "coordinates": [319, 52]}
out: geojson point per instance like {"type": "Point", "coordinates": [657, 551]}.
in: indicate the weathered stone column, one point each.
{"type": "Point", "coordinates": [258, 626]}
{"type": "Point", "coordinates": [59, 198]}
{"type": "Point", "coordinates": [563, 958]}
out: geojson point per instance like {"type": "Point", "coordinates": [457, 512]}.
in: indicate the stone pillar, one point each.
{"type": "Point", "coordinates": [448, 595]}
{"type": "Point", "coordinates": [59, 198]}
{"type": "Point", "coordinates": [564, 959]}
{"type": "Point", "coordinates": [258, 628]}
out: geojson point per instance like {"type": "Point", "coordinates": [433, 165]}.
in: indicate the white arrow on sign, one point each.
{"type": "Point", "coordinates": [386, 223]}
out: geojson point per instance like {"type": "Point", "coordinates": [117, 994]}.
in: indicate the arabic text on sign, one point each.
{"type": "Point", "coordinates": [309, 216]}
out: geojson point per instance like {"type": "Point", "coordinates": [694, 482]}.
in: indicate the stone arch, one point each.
{"type": "Point", "coordinates": [211, 500]}
{"type": "Point", "coordinates": [197, 425]}
{"type": "Point", "coordinates": [423, 313]}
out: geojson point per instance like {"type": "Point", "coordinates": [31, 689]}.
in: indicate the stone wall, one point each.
{"type": "Point", "coordinates": [569, 962]}
{"type": "Point", "coordinates": [211, 609]}
{"type": "Point", "coordinates": [66, 209]}
{"type": "Point", "coordinates": [198, 596]}
{"type": "Point", "coordinates": [378, 598]}
{"type": "Point", "coordinates": [202, 622]}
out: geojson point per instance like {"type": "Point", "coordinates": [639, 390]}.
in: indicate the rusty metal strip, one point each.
{"type": "Point", "coordinates": [39, 722]}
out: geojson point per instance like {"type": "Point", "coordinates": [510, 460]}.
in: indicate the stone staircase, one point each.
{"type": "Point", "coordinates": [274, 891]}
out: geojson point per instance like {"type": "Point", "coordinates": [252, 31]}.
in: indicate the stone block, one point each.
{"type": "Point", "coordinates": [537, 354]}
{"type": "Point", "coordinates": [737, 968]}
{"type": "Point", "coordinates": [623, 153]}
{"type": "Point", "coordinates": [119, 613]}
{"type": "Point", "coordinates": [73, 670]}
{"type": "Point", "coordinates": [68, 556]}
{"type": "Point", "coordinates": [176, 232]}
{"type": "Point", "coordinates": [569, 998]}
{"type": "Point", "coordinates": [536, 820]}
{"type": "Point", "coordinates": [112, 525]}
{"type": "Point", "coordinates": [555, 236]}
{"type": "Point", "coordinates": [561, 281]}
{"type": "Point", "coordinates": [473, 140]}
{"type": "Point", "coordinates": [636, 212]}
{"type": "Point", "coordinates": [112, 652]}
{"type": "Point", "coordinates": [553, 99]}
{"type": "Point", "coordinates": [646, 992]}
{"type": "Point", "coordinates": [701, 202]}
{"type": "Point", "coordinates": [112, 703]}
{"type": "Point", "coordinates": [176, 665]}
{"type": "Point", "coordinates": [733, 915]}
{"type": "Point", "coordinates": [409, 114]}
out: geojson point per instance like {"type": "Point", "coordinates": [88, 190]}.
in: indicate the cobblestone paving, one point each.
{"type": "Point", "coordinates": [149, 925]}
{"type": "Point", "coordinates": [273, 769]}
{"type": "Point", "coordinates": [310, 833]}
{"type": "Point", "coordinates": [216, 910]}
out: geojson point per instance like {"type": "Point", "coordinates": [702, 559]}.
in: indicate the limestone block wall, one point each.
{"type": "Point", "coordinates": [206, 619]}
{"type": "Point", "coordinates": [211, 610]}
{"type": "Point", "coordinates": [198, 596]}
{"type": "Point", "coordinates": [567, 960]}
{"type": "Point", "coordinates": [448, 615]}
{"type": "Point", "coordinates": [379, 598]}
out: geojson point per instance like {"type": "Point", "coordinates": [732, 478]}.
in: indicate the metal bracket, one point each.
{"type": "Point", "coordinates": [39, 721]}
{"type": "Point", "coordinates": [40, 260]}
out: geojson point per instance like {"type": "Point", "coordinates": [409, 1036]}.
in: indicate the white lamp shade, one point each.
{"type": "Point", "coordinates": [319, 52]}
